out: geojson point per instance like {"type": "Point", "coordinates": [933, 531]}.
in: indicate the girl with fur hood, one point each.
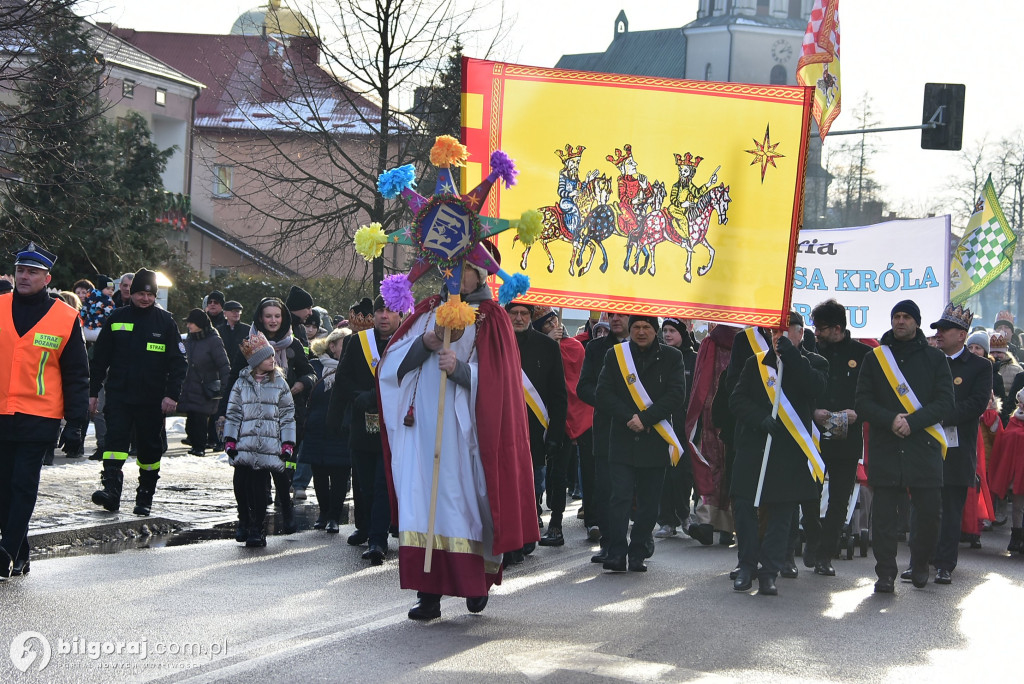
{"type": "Point", "coordinates": [259, 435]}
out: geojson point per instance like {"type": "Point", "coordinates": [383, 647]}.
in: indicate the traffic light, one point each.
{"type": "Point", "coordinates": [943, 105]}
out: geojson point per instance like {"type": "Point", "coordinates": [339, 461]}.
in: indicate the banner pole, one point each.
{"type": "Point", "coordinates": [768, 441]}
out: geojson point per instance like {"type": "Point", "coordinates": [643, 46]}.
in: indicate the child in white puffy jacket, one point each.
{"type": "Point", "coordinates": [259, 437]}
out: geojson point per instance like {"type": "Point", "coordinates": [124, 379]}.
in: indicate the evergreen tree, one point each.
{"type": "Point", "coordinates": [86, 188]}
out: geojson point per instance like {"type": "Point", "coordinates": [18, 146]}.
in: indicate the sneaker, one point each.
{"type": "Point", "coordinates": [594, 533]}
{"type": "Point", "coordinates": [665, 531]}
{"type": "Point", "coordinates": [300, 495]}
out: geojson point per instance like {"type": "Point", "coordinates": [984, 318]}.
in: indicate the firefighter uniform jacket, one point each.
{"type": "Point", "coordinates": [140, 355]}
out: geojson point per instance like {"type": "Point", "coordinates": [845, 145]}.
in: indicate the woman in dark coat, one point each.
{"type": "Point", "coordinates": [321, 448]}
{"type": "Point", "coordinates": [205, 380]}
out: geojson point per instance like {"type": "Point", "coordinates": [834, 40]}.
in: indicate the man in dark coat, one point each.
{"type": "Point", "coordinates": [213, 304]}
{"type": "Point", "coordinates": [139, 359]}
{"type": "Point", "coordinates": [547, 400]}
{"type": "Point", "coordinates": [906, 444]}
{"type": "Point", "coordinates": [595, 504]}
{"type": "Point", "coordinates": [300, 305]}
{"type": "Point", "coordinates": [642, 442]}
{"type": "Point", "coordinates": [357, 386]}
{"type": "Point", "coordinates": [232, 331]}
{"type": "Point", "coordinates": [842, 436]}
{"type": "Point", "coordinates": [972, 387]}
{"type": "Point", "coordinates": [788, 479]}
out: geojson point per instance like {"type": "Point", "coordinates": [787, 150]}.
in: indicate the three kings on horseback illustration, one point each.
{"type": "Point", "coordinates": [585, 216]}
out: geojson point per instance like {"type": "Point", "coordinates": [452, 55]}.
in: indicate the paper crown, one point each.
{"type": "Point", "coordinates": [568, 153]}
{"type": "Point", "coordinates": [956, 316]}
{"type": "Point", "coordinates": [252, 344]}
{"type": "Point", "coordinates": [1005, 316]}
{"type": "Point", "coordinates": [448, 231]}
{"type": "Point", "coordinates": [687, 160]}
{"type": "Point", "coordinates": [998, 342]}
{"type": "Point", "coordinates": [620, 157]}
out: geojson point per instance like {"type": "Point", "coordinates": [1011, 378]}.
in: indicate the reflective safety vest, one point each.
{"type": "Point", "coordinates": [30, 379]}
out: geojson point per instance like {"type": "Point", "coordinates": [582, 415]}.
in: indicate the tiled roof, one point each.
{"type": "Point", "coordinates": [117, 51]}
{"type": "Point", "coordinates": [659, 53]}
{"type": "Point", "coordinates": [251, 85]}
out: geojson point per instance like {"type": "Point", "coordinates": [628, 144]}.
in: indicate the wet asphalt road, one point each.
{"type": "Point", "coordinates": [307, 608]}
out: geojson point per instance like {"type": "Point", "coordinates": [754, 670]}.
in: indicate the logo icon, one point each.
{"type": "Point", "coordinates": [28, 646]}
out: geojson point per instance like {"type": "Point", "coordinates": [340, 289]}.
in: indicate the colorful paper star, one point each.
{"type": "Point", "coordinates": [764, 153]}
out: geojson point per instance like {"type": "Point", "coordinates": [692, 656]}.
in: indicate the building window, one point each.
{"type": "Point", "coordinates": [763, 7]}
{"type": "Point", "coordinates": [778, 76]}
{"type": "Point", "coordinates": [161, 96]}
{"type": "Point", "coordinates": [218, 272]}
{"type": "Point", "coordinates": [796, 9]}
{"type": "Point", "coordinates": [222, 180]}
{"type": "Point", "coordinates": [707, 71]}
{"type": "Point", "coordinates": [128, 88]}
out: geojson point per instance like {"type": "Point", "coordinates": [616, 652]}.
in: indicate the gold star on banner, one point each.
{"type": "Point", "coordinates": [764, 153]}
{"type": "Point", "coordinates": [447, 273]}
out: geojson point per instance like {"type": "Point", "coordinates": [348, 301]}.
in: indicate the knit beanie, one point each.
{"type": "Point", "coordinates": [199, 318]}
{"type": "Point", "coordinates": [256, 349]}
{"type": "Point", "coordinates": [144, 281]}
{"type": "Point", "coordinates": [298, 299]}
{"type": "Point", "coordinates": [653, 320]}
{"type": "Point", "coordinates": [979, 338]}
{"type": "Point", "coordinates": [909, 307]}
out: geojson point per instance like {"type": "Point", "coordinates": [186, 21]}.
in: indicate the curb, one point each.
{"type": "Point", "coordinates": [104, 530]}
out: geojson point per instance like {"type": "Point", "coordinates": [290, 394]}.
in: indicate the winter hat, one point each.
{"type": "Point", "coordinates": [256, 349]}
{"type": "Point", "coordinates": [528, 307]}
{"type": "Point", "coordinates": [538, 324]}
{"type": "Point", "coordinates": [1004, 318]}
{"type": "Point", "coordinates": [198, 317]}
{"type": "Point", "coordinates": [909, 307]}
{"type": "Point", "coordinates": [298, 299]}
{"type": "Point", "coordinates": [364, 306]}
{"type": "Point", "coordinates": [378, 304]}
{"type": "Point", "coordinates": [144, 281]}
{"type": "Point", "coordinates": [653, 320]}
{"type": "Point", "coordinates": [6, 286]}
{"type": "Point", "coordinates": [102, 282]}
{"type": "Point", "coordinates": [795, 319]}
{"type": "Point", "coordinates": [215, 296]}
{"type": "Point", "coordinates": [677, 324]}
{"type": "Point", "coordinates": [232, 305]}
{"type": "Point", "coordinates": [998, 343]}
{"type": "Point", "coordinates": [979, 338]}
{"type": "Point", "coordinates": [313, 318]}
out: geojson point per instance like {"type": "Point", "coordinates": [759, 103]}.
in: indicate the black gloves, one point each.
{"type": "Point", "coordinates": [773, 426]}
{"type": "Point", "coordinates": [784, 348]}
{"type": "Point", "coordinates": [70, 439]}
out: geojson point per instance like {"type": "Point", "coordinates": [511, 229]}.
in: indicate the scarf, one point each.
{"type": "Point", "coordinates": [330, 368]}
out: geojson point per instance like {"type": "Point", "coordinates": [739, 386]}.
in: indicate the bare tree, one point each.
{"type": "Point", "coordinates": [966, 186]}
{"type": "Point", "coordinates": [855, 194]}
{"type": "Point", "coordinates": [318, 132]}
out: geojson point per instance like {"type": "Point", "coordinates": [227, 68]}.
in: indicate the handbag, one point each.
{"type": "Point", "coordinates": [211, 389]}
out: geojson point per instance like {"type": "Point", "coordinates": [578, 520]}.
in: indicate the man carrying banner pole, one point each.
{"type": "Point", "coordinates": [771, 488]}
{"type": "Point", "coordinates": [905, 388]}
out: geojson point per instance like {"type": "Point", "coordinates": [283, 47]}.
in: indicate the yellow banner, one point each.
{"type": "Point", "coordinates": [818, 65]}
{"type": "Point", "coordinates": [658, 196]}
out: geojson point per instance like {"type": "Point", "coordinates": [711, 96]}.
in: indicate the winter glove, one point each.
{"type": "Point", "coordinates": [231, 448]}
{"type": "Point", "coordinates": [70, 439]}
{"type": "Point", "coordinates": [773, 426]}
{"type": "Point", "coordinates": [785, 349]}
{"type": "Point", "coordinates": [287, 451]}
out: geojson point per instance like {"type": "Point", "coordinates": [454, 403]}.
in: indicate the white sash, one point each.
{"type": "Point", "coordinates": [791, 419]}
{"type": "Point", "coordinates": [904, 392]}
{"type": "Point", "coordinates": [534, 401]}
{"type": "Point", "coordinates": [368, 341]}
{"type": "Point", "coordinates": [643, 400]}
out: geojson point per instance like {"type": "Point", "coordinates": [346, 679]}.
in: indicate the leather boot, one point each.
{"type": "Point", "coordinates": [789, 569]}
{"type": "Point", "coordinates": [144, 494]}
{"type": "Point", "coordinates": [288, 525]}
{"type": "Point", "coordinates": [1016, 540]}
{"type": "Point", "coordinates": [111, 478]}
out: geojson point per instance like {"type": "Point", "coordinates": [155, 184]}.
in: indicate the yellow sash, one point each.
{"type": "Point", "coordinates": [643, 401]}
{"type": "Point", "coordinates": [368, 342]}
{"type": "Point", "coordinates": [757, 343]}
{"type": "Point", "coordinates": [534, 401]}
{"type": "Point", "coordinates": [904, 392]}
{"type": "Point", "coordinates": [806, 439]}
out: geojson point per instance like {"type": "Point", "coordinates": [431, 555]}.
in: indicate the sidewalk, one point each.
{"type": "Point", "coordinates": [193, 492]}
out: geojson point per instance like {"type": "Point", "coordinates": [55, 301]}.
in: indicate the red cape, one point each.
{"type": "Point", "coordinates": [712, 358]}
{"type": "Point", "coordinates": [502, 431]}
{"type": "Point", "coordinates": [580, 416]}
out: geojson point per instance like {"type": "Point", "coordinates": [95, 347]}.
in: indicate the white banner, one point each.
{"type": "Point", "coordinates": [868, 269]}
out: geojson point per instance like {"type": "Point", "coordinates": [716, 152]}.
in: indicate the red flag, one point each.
{"type": "Point", "coordinates": [819, 64]}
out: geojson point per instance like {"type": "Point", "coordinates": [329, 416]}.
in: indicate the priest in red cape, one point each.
{"type": "Point", "coordinates": [485, 499]}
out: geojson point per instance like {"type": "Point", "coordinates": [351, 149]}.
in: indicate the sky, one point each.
{"type": "Point", "coordinates": [889, 51]}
